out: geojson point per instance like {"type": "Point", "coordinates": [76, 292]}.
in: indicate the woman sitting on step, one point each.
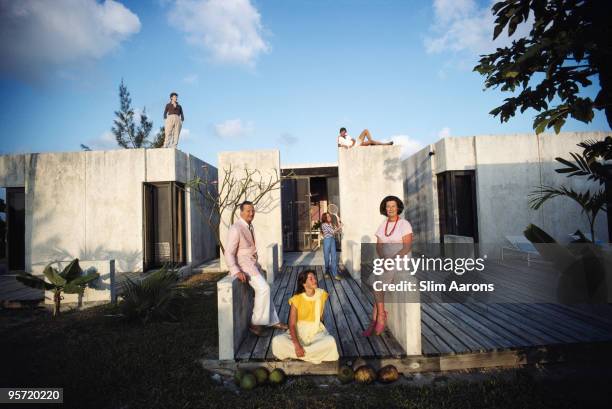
{"type": "Point", "coordinates": [307, 339]}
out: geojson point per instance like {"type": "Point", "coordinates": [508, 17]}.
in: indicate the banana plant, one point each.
{"type": "Point", "coordinates": [70, 280]}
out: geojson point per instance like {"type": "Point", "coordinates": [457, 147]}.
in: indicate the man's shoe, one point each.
{"type": "Point", "coordinates": [256, 329]}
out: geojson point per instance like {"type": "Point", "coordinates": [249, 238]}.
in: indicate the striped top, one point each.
{"type": "Point", "coordinates": [327, 229]}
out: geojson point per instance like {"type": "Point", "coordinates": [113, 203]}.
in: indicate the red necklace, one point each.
{"type": "Point", "coordinates": [393, 229]}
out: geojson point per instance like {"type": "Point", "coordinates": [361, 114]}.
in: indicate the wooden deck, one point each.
{"type": "Point", "coordinates": [447, 328]}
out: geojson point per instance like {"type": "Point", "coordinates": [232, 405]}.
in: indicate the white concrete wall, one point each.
{"type": "Point", "coordinates": [421, 196]}
{"type": "Point", "coordinates": [267, 222]}
{"type": "Point", "coordinates": [366, 175]}
{"type": "Point", "coordinates": [508, 168]}
{"type": "Point", "coordinates": [101, 289]}
{"type": "Point", "coordinates": [201, 243]}
{"type": "Point", "coordinates": [88, 205]}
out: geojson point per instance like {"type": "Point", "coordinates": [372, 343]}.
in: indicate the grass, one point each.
{"type": "Point", "coordinates": [103, 362]}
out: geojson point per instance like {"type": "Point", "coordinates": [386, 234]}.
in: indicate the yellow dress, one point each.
{"type": "Point", "coordinates": [318, 344]}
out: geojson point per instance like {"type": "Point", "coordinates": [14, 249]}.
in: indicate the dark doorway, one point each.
{"type": "Point", "coordinates": [305, 195]}
{"type": "Point", "coordinates": [12, 229]}
{"type": "Point", "coordinates": [164, 224]}
{"type": "Point", "coordinates": [457, 204]}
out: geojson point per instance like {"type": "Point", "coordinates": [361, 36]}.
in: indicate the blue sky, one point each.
{"type": "Point", "coordinates": [250, 74]}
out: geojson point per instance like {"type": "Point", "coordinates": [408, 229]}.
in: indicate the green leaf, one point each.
{"type": "Point", "coordinates": [33, 281]}
{"type": "Point", "coordinates": [72, 270]}
{"type": "Point", "coordinates": [511, 74]}
{"type": "Point", "coordinates": [53, 276]}
{"type": "Point", "coordinates": [540, 125]}
{"type": "Point", "coordinates": [559, 124]}
{"type": "Point", "coordinates": [497, 31]}
{"type": "Point", "coordinates": [85, 279]}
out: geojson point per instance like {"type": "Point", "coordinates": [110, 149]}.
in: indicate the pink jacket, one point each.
{"type": "Point", "coordinates": [240, 250]}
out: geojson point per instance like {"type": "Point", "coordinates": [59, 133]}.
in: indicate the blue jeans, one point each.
{"type": "Point", "coordinates": [329, 254]}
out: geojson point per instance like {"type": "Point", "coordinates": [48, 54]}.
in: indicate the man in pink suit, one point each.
{"type": "Point", "coordinates": [241, 258]}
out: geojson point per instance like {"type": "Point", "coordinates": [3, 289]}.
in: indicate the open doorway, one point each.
{"type": "Point", "coordinates": [306, 193]}
{"type": "Point", "coordinates": [164, 224]}
{"type": "Point", "coordinates": [12, 230]}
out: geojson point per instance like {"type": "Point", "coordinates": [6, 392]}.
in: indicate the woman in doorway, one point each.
{"type": "Point", "coordinates": [329, 227]}
{"type": "Point", "coordinates": [307, 339]}
{"type": "Point", "coordinates": [393, 238]}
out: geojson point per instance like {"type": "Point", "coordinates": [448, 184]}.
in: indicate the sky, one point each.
{"type": "Point", "coordinates": [251, 74]}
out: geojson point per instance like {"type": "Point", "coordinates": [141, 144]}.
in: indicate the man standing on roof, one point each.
{"type": "Point", "coordinates": [173, 116]}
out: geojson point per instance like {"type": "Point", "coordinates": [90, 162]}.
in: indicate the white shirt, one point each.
{"type": "Point", "coordinates": [345, 140]}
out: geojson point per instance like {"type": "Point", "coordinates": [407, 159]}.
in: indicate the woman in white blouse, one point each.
{"type": "Point", "coordinates": [393, 237]}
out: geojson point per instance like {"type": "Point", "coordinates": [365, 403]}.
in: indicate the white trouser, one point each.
{"type": "Point", "coordinates": [172, 129]}
{"type": "Point", "coordinates": [264, 312]}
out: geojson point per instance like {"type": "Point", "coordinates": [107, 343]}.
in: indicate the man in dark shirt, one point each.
{"type": "Point", "coordinates": [173, 116]}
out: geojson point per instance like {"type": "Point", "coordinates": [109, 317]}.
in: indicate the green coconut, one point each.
{"type": "Point", "coordinates": [238, 376]}
{"type": "Point", "coordinates": [346, 374]}
{"type": "Point", "coordinates": [248, 381]}
{"type": "Point", "coordinates": [388, 374]}
{"type": "Point", "coordinates": [261, 374]}
{"type": "Point", "coordinates": [365, 374]}
{"type": "Point", "coordinates": [277, 376]}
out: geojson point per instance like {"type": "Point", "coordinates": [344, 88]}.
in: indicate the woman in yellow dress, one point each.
{"type": "Point", "coordinates": [306, 339]}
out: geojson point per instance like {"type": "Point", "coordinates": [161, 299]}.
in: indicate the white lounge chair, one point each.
{"type": "Point", "coordinates": [520, 244]}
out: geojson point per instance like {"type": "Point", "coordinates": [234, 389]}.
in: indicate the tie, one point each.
{"type": "Point", "coordinates": [252, 232]}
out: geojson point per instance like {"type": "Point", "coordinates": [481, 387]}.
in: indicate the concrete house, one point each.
{"type": "Point", "coordinates": [129, 206]}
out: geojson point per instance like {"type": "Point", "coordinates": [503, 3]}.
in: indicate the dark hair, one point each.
{"type": "Point", "coordinates": [246, 202]}
{"type": "Point", "coordinates": [324, 219]}
{"type": "Point", "coordinates": [301, 279]}
{"type": "Point", "coordinates": [173, 94]}
{"type": "Point", "coordinates": [342, 129]}
{"type": "Point", "coordinates": [383, 205]}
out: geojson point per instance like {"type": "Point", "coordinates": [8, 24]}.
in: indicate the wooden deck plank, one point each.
{"type": "Point", "coordinates": [346, 341]}
{"type": "Point", "coordinates": [563, 327]}
{"type": "Point", "coordinates": [364, 316]}
{"type": "Point", "coordinates": [328, 317]}
{"type": "Point", "coordinates": [468, 337]}
{"type": "Point", "coordinates": [490, 338]}
{"type": "Point", "coordinates": [263, 343]}
{"type": "Point", "coordinates": [245, 351]}
{"type": "Point", "coordinates": [283, 308]}
{"type": "Point", "coordinates": [436, 341]}
{"type": "Point", "coordinates": [362, 343]}
{"type": "Point", "coordinates": [394, 347]}
{"type": "Point", "coordinates": [457, 345]}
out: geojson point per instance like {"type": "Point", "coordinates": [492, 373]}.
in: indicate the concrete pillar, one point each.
{"type": "Point", "coordinates": [267, 222]}
{"type": "Point", "coordinates": [272, 262]}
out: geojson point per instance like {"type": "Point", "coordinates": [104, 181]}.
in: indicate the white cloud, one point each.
{"type": "Point", "coordinates": [463, 26]}
{"type": "Point", "coordinates": [444, 132]}
{"type": "Point", "coordinates": [233, 128]}
{"type": "Point", "coordinates": [409, 145]}
{"type": "Point", "coordinates": [105, 141]}
{"type": "Point", "coordinates": [230, 30]}
{"type": "Point", "coordinates": [38, 34]}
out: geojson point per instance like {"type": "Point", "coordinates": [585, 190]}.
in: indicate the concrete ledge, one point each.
{"type": "Point", "coordinates": [271, 262]}
{"type": "Point", "coordinates": [234, 310]}
{"type": "Point", "coordinates": [99, 291]}
{"type": "Point", "coordinates": [458, 246]}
